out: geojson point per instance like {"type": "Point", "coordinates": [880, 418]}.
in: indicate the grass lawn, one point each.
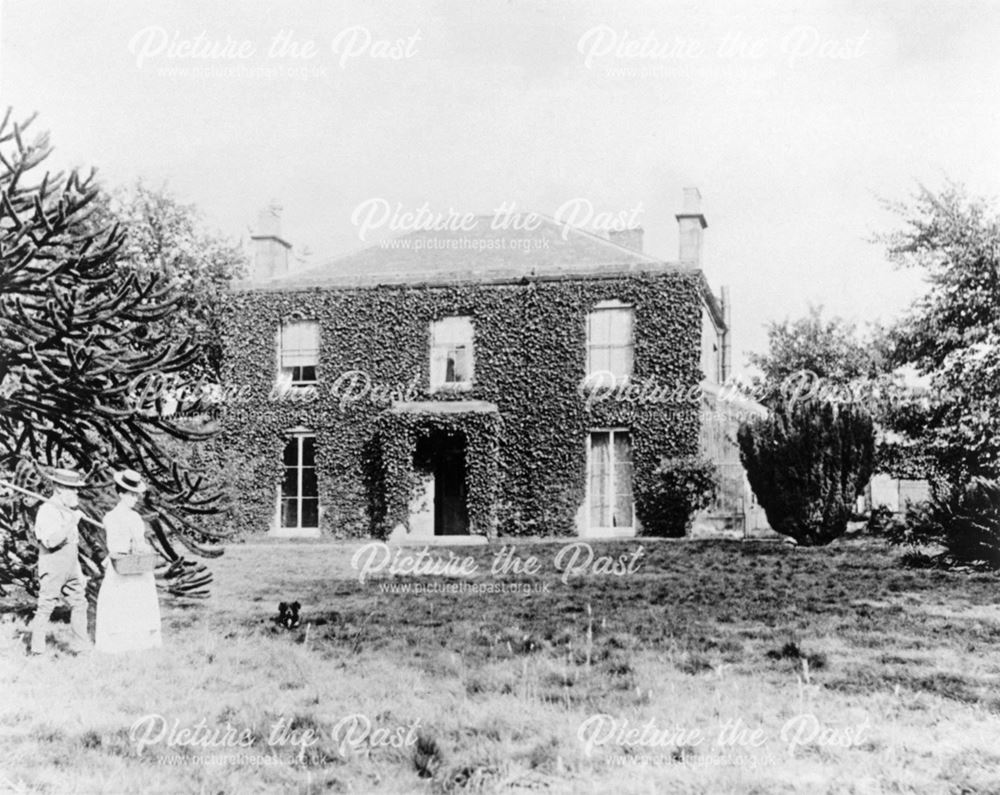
{"type": "Point", "coordinates": [713, 666]}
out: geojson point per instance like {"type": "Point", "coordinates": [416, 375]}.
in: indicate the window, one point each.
{"type": "Point", "coordinates": [299, 495]}
{"type": "Point", "coordinates": [610, 340]}
{"type": "Point", "coordinates": [609, 479]}
{"type": "Point", "coordinates": [298, 352]}
{"type": "Point", "coordinates": [711, 361]}
{"type": "Point", "coordinates": [451, 353]}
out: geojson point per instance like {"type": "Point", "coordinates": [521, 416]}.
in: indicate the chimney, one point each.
{"type": "Point", "coordinates": [691, 225]}
{"type": "Point", "coordinates": [269, 250]}
{"type": "Point", "coordinates": [627, 238]}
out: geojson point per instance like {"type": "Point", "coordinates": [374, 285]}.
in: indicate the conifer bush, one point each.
{"type": "Point", "coordinates": [806, 463]}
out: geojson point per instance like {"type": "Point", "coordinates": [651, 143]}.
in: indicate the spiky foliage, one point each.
{"type": "Point", "coordinates": [806, 464]}
{"type": "Point", "coordinates": [964, 520]}
{"type": "Point", "coordinates": [75, 333]}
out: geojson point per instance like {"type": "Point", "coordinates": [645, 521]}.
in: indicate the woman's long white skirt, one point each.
{"type": "Point", "coordinates": [128, 612]}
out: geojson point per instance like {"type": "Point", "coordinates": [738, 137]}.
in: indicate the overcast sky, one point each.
{"type": "Point", "coordinates": [792, 119]}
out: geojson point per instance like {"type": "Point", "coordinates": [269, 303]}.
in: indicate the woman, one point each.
{"type": "Point", "coordinates": [128, 613]}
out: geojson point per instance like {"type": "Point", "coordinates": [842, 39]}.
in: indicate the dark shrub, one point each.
{"type": "Point", "coordinates": [807, 462]}
{"type": "Point", "coordinates": [680, 488]}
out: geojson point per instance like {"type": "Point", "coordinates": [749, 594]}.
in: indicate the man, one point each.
{"type": "Point", "coordinates": [59, 574]}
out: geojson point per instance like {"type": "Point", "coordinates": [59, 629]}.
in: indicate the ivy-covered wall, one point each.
{"type": "Point", "coordinates": [530, 358]}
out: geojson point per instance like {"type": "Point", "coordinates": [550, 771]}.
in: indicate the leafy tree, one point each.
{"type": "Point", "coordinates": [805, 353]}
{"type": "Point", "coordinates": [806, 463]}
{"type": "Point", "coordinates": [77, 329]}
{"type": "Point", "coordinates": [168, 239]}
{"type": "Point", "coordinates": [952, 333]}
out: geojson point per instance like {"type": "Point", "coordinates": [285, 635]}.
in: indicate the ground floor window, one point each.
{"type": "Point", "coordinates": [609, 479]}
{"type": "Point", "coordinates": [299, 494]}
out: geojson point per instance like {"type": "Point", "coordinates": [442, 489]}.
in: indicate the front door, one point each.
{"type": "Point", "coordinates": [442, 457]}
{"type": "Point", "coordinates": [451, 516]}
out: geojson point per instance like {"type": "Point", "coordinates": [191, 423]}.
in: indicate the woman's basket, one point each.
{"type": "Point", "coordinates": [135, 562]}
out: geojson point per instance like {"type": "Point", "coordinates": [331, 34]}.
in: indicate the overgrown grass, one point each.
{"type": "Point", "coordinates": [488, 691]}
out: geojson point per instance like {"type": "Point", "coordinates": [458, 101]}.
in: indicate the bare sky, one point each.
{"type": "Point", "coordinates": [792, 118]}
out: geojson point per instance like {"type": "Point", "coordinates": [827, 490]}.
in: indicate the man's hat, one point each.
{"type": "Point", "coordinates": [67, 478]}
{"type": "Point", "coordinates": [130, 480]}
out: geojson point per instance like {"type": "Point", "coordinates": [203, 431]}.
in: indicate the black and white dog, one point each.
{"type": "Point", "coordinates": [288, 615]}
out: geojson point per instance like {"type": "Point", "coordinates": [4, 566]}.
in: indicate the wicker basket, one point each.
{"type": "Point", "coordinates": [135, 563]}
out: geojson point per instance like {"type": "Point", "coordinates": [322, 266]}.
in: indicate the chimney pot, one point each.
{"type": "Point", "coordinates": [691, 225]}
{"type": "Point", "coordinates": [692, 201]}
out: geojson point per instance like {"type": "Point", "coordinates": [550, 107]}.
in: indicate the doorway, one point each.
{"type": "Point", "coordinates": [440, 456]}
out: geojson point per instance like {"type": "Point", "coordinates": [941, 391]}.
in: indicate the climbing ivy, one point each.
{"type": "Point", "coordinates": [526, 472]}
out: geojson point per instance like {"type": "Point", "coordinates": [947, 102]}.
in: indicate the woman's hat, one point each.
{"type": "Point", "coordinates": [67, 478]}
{"type": "Point", "coordinates": [130, 480]}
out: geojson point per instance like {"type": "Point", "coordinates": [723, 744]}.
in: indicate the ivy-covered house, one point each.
{"type": "Point", "coordinates": [510, 376]}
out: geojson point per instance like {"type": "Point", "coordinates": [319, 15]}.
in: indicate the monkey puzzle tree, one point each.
{"type": "Point", "coordinates": [76, 331]}
{"type": "Point", "coordinates": [806, 463]}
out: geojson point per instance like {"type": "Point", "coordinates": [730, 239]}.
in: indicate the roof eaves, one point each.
{"type": "Point", "coordinates": [436, 279]}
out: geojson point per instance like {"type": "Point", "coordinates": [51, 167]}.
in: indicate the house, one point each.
{"type": "Point", "coordinates": [511, 377]}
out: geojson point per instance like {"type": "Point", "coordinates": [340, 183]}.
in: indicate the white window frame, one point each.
{"type": "Point", "coordinates": [284, 373]}
{"type": "Point", "coordinates": [444, 339]}
{"type": "Point", "coordinates": [598, 378]}
{"type": "Point", "coordinates": [597, 530]}
{"type": "Point", "coordinates": [299, 435]}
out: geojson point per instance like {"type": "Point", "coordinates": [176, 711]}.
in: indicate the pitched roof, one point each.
{"type": "Point", "coordinates": [479, 253]}
{"type": "Point", "coordinates": [487, 249]}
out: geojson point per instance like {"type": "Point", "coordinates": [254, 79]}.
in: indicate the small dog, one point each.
{"type": "Point", "coordinates": [288, 615]}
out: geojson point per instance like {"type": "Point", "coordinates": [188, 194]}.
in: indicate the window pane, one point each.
{"type": "Point", "coordinates": [623, 480]}
{"type": "Point", "coordinates": [600, 476]}
{"type": "Point", "coordinates": [310, 513]}
{"type": "Point", "coordinates": [290, 482]}
{"type": "Point", "coordinates": [460, 362]}
{"type": "Point", "coordinates": [599, 327]}
{"type": "Point", "coordinates": [289, 513]}
{"type": "Point", "coordinates": [291, 457]}
{"type": "Point", "coordinates": [626, 361]}
{"type": "Point", "coordinates": [308, 451]}
{"type": "Point", "coordinates": [617, 362]}
{"type": "Point", "coordinates": [603, 361]}
{"type": "Point", "coordinates": [309, 482]}
{"type": "Point", "coordinates": [438, 365]}
{"type": "Point", "coordinates": [620, 326]}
